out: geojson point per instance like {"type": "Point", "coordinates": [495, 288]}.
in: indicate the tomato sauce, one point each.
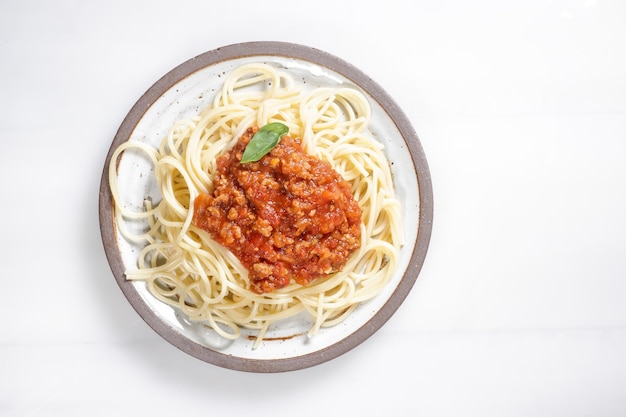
{"type": "Point", "coordinates": [287, 216]}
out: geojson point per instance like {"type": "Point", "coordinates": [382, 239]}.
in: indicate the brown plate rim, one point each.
{"type": "Point", "coordinates": [422, 172]}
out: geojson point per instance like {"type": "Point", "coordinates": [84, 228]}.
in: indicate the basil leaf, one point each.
{"type": "Point", "coordinates": [263, 141]}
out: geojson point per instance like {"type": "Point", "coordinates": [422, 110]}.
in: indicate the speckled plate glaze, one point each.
{"type": "Point", "coordinates": [187, 89]}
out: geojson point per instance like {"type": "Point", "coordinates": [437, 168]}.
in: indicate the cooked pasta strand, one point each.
{"type": "Point", "coordinates": [183, 267]}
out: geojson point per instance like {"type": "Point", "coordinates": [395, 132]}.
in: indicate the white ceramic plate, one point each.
{"type": "Point", "coordinates": [183, 92]}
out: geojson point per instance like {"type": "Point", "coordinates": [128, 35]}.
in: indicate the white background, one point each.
{"type": "Point", "coordinates": [520, 307]}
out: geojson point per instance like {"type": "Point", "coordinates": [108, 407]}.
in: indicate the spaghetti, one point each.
{"type": "Point", "coordinates": [180, 263]}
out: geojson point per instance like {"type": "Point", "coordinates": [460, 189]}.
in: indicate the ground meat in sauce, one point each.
{"type": "Point", "coordinates": [289, 215]}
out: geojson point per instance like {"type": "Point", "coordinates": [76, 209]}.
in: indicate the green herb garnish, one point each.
{"type": "Point", "coordinates": [263, 141]}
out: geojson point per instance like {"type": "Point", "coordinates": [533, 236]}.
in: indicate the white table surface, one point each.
{"type": "Point", "coordinates": [520, 309]}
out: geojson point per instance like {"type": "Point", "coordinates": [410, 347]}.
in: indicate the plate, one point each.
{"type": "Point", "coordinates": [183, 92]}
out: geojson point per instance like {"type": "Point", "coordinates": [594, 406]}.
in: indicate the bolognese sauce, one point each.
{"type": "Point", "coordinates": [287, 216]}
